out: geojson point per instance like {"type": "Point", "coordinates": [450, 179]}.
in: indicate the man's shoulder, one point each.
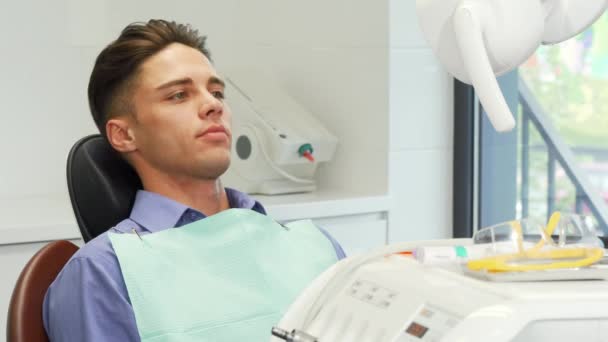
{"type": "Point", "coordinates": [99, 250]}
{"type": "Point", "coordinates": [95, 262]}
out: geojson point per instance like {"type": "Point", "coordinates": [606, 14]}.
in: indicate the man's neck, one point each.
{"type": "Point", "coordinates": [207, 196]}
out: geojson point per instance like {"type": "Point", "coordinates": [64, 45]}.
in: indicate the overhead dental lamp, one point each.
{"type": "Point", "coordinates": [477, 40]}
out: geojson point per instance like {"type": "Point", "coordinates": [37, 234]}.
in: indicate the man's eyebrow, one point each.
{"type": "Point", "coordinates": [216, 80]}
{"type": "Point", "coordinates": [181, 81]}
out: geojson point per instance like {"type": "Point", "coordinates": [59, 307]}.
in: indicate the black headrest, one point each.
{"type": "Point", "coordinates": [102, 185]}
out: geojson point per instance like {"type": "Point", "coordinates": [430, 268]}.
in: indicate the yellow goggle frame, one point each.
{"type": "Point", "coordinates": [534, 259]}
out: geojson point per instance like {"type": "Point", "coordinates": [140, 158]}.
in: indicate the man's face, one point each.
{"type": "Point", "coordinates": [182, 125]}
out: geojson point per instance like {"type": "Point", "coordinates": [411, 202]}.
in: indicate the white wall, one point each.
{"type": "Point", "coordinates": [421, 130]}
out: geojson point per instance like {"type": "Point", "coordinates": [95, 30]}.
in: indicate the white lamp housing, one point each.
{"type": "Point", "coordinates": [477, 40]}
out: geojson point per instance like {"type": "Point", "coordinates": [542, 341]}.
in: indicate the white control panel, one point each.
{"type": "Point", "coordinates": [373, 294]}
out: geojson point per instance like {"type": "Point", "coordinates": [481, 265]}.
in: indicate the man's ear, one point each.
{"type": "Point", "coordinates": [120, 134]}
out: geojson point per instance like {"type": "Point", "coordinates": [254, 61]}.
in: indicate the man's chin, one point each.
{"type": "Point", "coordinates": [212, 169]}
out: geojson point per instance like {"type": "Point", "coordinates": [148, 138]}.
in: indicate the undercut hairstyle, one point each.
{"type": "Point", "coordinates": [115, 71]}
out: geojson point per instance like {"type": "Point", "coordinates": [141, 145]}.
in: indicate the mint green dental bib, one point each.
{"type": "Point", "coordinates": [228, 277]}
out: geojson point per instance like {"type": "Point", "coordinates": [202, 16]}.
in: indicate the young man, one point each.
{"type": "Point", "coordinates": [157, 98]}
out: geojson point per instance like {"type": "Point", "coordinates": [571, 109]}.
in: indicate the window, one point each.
{"type": "Point", "coordinates": [557, 157]}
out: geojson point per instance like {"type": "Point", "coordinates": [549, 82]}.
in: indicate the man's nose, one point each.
{"type": "Point", "coordinates": [210, 105]}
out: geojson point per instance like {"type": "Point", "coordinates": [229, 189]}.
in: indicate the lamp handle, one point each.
{"type": "Point", "coordinates": [469, 37]}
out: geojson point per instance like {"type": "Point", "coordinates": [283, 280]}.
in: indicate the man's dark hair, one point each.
{"type": "Point", "coordinates": [117, 65]}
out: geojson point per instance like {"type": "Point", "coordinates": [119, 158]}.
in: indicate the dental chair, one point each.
{"type": "Point", "coordinates": [101, 184]}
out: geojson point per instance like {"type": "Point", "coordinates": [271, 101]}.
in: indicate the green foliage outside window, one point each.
{"type": "Point", "coordinates": [571, 82]}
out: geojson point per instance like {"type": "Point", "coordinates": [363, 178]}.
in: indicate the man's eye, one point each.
{"type": "Point", "coordinates": [218, 94]}
{"type": "Point", "coordinates": [178, 96]}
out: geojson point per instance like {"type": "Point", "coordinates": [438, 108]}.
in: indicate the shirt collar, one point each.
{"type": "Point", "coordinates": [238, 199]}
{"type": "Point", "coordinates": [155, 212]}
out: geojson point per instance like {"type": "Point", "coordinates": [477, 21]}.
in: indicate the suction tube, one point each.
{"type": "Point", "coordinates": [469, 36]}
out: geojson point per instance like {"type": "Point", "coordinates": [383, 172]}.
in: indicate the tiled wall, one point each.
{"type": "Point", "coordinates": [421, 130]}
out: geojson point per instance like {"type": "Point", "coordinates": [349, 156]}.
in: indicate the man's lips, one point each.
{"type": "Point", "coordinates": [214, 132]}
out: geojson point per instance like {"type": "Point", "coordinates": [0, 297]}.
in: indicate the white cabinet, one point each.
{"type": "Point", "coordinates": [358, 223]}
{"type": "Point", "coordinates": [356, 233]}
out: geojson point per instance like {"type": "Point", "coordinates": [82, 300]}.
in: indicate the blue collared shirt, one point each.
{"type": "Point", "coordinates": [88, 301]}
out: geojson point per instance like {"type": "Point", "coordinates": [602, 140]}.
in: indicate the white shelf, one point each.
{"type": "Point", "coordinates": [47, 218]}
{"type": "Point", "coordinates": [37, 218]}
{"type": "Point", "coordinates": [322, 204]}
{"type": "Point", "coordinates": [38, 233]}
